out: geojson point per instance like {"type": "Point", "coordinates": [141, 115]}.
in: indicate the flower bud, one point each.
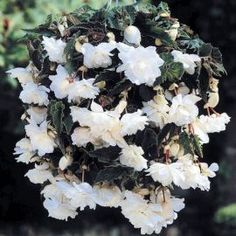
{"type": "Point", "coordinates": [132, 35]}
{"type": "Point", "coordinates": [65, 161]}
{"type": "Point", "coordinates": [174, 149]}
{"type": "Point", "coordinates": [213, 100]}
{"type": "Point", "coordinates": [158, 42]}
{"type": "Point", "coordinates": [111, 37]}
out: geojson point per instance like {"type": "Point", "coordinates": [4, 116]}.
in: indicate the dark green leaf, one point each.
{"type": "Point", "coordinates": [68, 124]}
{"type": "Point", "coordinates": [146, 93]}
{"type": "Point", "coordinates": [166, 132]}
{"type": "Point", "coordinates": [158, 32]}
{"type": "Point", "coordinates": [56, 109]}
{"type": "Point", "coordinates": [106, 155]}
{"type": "Point", "coordinates": [112, 173]}
{"type": "Point", "coordinates": [197, 146]}
{"type": "Point", "coordinates": [121, 17]}
{"type": "Point", "coordinates": [82, 14]}
{"type": "Point", "coordinates": [149, 144]}
{"type": "Point", "coordinates": [185, 141]}
{"type": "Point", "coordinates": [120, 87]}
{"type": "Point", "coordinates": [107, 76]}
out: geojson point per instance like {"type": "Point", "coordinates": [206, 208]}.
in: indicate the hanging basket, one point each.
{"type": "Point", "coordinates": [119, 102]}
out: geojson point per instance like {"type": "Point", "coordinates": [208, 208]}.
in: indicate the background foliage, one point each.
{"type": "Point", "coordinates": [20, 204]}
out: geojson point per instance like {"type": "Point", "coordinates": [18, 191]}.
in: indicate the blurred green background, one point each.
{"type": "Point", "coordinates": [21, 211]}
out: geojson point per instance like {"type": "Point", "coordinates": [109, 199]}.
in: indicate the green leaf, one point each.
{"type": "Point", "coordinates": [56, 111]}
{"type": "Point", "coordinates": [185, 141]}
{"type": "Point", "coordinates": [82, 14]}
{"type": "Point", "coordinates": [170, 71]}
{"type": "Point", "coordinates": [120, 87]}
{"type": "Point", "coordinates": [163, 8]}
{"type": "Point", "coordinates": [121, 17]}
{"type": "Point", "coordinates": [158, 32]}
{"type": "Point", "coordinates": [68, 124]}
{"type": "Point", "coordinates": [166, 133]}
{"type": "Point", "coordinates": [191, 144]}
{"type": "Point", "coordinates": [197, 146]}
{"type": "Point", "coordinates": [112, 173]}
{"type": "Point", "coordinates": [106, 155]}
{"type": "Point", "coordinates": [107, 76]}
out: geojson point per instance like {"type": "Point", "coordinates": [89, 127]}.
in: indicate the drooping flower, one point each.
{"type": "Point", "coordinates": [23, 75]}
{"type": "Point", "coordinates": [55, 49]}
{"type": "Point", "coordinates": [132, 156]}
{"type": "Point", "coordinates": [132, 35]}
{"type": "Point", "coordinates": [183, 110]}
{"type": "Point", "coordinates": [141, 214]}
{"type": "Point", "coordinates": [108, 196]}
{"type": "Point", "coordinates": [34, 94]}
{"type": "Point", "coordinates": [82, 89]}
{"type": "Point", "coordinates": [188, 60]}
{"type": "Point", "coordinates": [170, 207]}
{"type": "Point", "coordinates": [59, 209]}
{"type": "Point", "coordinates": [141, 65]}
{"type": "Point", "coordinates": [166, 173]}
{"type": "Point", "coordinates": [40, 174]}
{"type": "Point", "coordinates": [210, 124]}
{"type": "Point", "coordinates": [132, 122]}
{"type": "Point", "coordinates": [37, 114]}
{"type": "Point", "coordinates": [24, 150]}
{"type": "Point", "coordinates": [196, 175]}
{"type": "Point", "coordinates": [97, 56]}
{"type": "Point", "coordinates": [157, 110]}
{"type": "Point", "coordinates": [60, 82]}
{"type": "Point", "coordinates": [65, 161]}
{"type": "Point", "coordinates": [103, 125]}
{"type": "Point", "coordinates": [82, 136]}
{"type": "Point", "coordinates": [80, 195]}
{"type": "Point", "coordinates": [39, 138]}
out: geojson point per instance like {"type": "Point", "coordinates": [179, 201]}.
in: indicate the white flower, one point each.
{"type": "Point", "coordinates": [56, 203]}
{"type": "Point", "coordinates": [39, 138]}
{"type": "Point", "coordinates": [107, 196]}
{"type": "Point", "coordinates": [210, 124]}
{"type": "Point", "coordinates": [58, 209]}
{"type": "Point", "coordinates": [141, 214]}
{"type": "Point", "coordinates": [132, 35]}
{"type": "Point", "coordinates": [55, 49]}
{"type": "Point", "coordinates": [209, 171]}
{"type": "Point", "coordinates": [188, 60]}
{"type": "Point", "coordinates": [132, 122]}
{"type": "Point", "coordinates": [81, 136]}
{"type": "Point", "coordinates": [37, 114]}
{"type": "Point", "coordinates": [39, 174]}
{"type": "Point", "coordinates": [132, 156]}
{"type": "Point", "coordinates": [183, 110]}
{"type": "Point", "coordinates": [24, 150]}
{"type": "Point", "coordinates": [157, 110]}
{"type": "Point", "coordinates": [65, 161]}
{"type": "Point", "coordinates": [23, 75]}
{"type": "Point", "coordinates": [80, 195]}
{"type": "Point", "coordinates": [169, 205]}
{"type": "Point", "coordinates": [166, 173]}
{"type": "Point", "coordinates": [60, 82]}
{"type": "Point", "coordinates": [52, 191]}
{"type": "Point", "coordinates": [196, 175]}
{"type": "Point", "coordinates": [83, 89]}
{"type": "Point", "coordinates": [34, 94]}
{"type": "Point", "coordinates": [103, 125]}
{"type": "Point", "coordinates": [141, 65]}
{"type": "Point", "coordinates": [97, 56]}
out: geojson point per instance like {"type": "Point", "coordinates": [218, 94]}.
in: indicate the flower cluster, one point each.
{"type": "Point", "coordinates": [117, 113]}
